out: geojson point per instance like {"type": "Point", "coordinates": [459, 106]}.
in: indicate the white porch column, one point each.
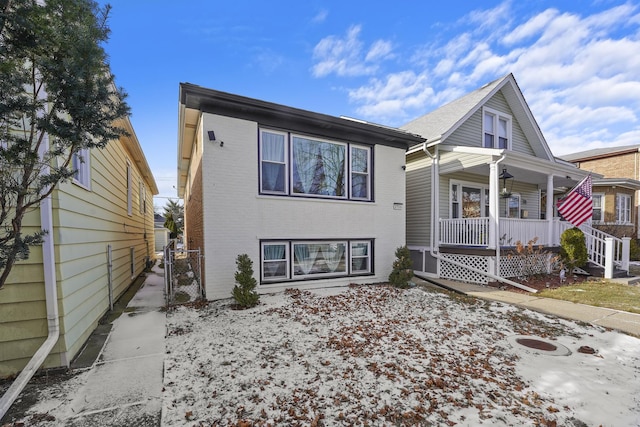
{"type": "Point", "coordinates": [608, 258]}
{"type": "Point", "coordinates": [494, 218]}
{"type": "Point", "coordinates": [494, 188]}
{"type": "Point", "coordinates": [549, 211]}
{"type": "Point", "coordinates": [624, 256]}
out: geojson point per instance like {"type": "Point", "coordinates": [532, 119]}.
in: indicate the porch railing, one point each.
{"type": "Point", "coordinates": [513, 230]}
{"type": "Point", "coordinates": [604, 250]}
{"type": "Point", "coordinates": [475, 231]}
{"type": "Point", "coordinates": [464, 231]}
{"type": "Point", "coordinates": [597, 246]}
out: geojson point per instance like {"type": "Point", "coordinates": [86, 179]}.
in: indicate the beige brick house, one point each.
{"type": "Point", "coordinates": [615, 196]}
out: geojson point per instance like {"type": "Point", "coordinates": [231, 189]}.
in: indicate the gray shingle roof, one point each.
{"type": "Point", "coordinates": [436, 123]}
{"type": "Point", "coordinates": [599, 152]}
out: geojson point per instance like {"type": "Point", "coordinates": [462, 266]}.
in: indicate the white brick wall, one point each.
{"type": "Point", "coordinates": [236, 217]}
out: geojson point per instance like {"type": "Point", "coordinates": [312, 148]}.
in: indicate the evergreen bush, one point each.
{"type": "Point", "coordinates": [402, 268]}
{"type": "Point", "coordinates": [244, 292]}
{"type": "Point", "coordinates": [573, 249]}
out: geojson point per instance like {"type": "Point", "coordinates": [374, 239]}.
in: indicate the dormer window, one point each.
{"type": "Point", "coordinates": [496, 129]}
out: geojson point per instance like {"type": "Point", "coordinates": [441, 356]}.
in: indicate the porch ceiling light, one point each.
{"type": "Point", "coordinates": [505, 193]}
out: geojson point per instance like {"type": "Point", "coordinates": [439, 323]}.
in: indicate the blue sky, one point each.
{"type": "Point", "coordinates": [577, 62]}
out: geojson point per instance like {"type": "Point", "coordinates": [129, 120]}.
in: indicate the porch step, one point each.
{"type": "Point", "coordinates": [596, 271]}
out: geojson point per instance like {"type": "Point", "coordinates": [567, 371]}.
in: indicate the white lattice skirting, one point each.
{"type": "Point", "coordinates": [525, 265]}
{"type": "Point", "coordinates": [451, 271]}
{"type": "Point", "coordinates": [510, 266]}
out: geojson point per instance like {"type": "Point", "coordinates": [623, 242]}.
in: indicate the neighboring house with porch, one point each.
{"type": "Point", "coordinates": [314, 200]}
{"type": "Point", "coordinates": [485, 179]}
{"type": "Point", "coordinates": [615, 196]}
{"type": "Point", "coordinates": [100, 237]}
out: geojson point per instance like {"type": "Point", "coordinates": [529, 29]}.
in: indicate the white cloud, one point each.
{"type": "Point", "coordinates": [393, 96]}
{"type": "Point", "coordinates": [381, 49]}
{"type": "Point", "coordinates": [345, 57]}
{"type": "Point", "coordinates": [320, 17]}
{"type": "Point", "coordinates": [531, 27]}
{"type": "Point", "coordinates": [579, 73]}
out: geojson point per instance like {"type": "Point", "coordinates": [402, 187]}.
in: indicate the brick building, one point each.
{"type": "Point", "coordinates": [615, 195]}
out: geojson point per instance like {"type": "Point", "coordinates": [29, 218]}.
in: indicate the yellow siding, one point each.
{"type": "Point", "coordinates": [85, 222]}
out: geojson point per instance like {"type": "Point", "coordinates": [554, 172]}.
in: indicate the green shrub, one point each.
{"type": "Point", "coordinates": [573, 249]}
{"type": "Point", "coordinates": [244, 292]}
{"type": "Point", "coordinates": [402, 268]}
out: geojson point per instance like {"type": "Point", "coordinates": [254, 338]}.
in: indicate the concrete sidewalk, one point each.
{"type": "Point", "coordinates": [122, 382]}
{"type": "Point", "coordinates": [623, 321]}
{"type": "Point", "coordinates": [124, 386]}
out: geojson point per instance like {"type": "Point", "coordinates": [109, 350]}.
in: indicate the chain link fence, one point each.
{"type": "Point", "coordinates": [182, 272]}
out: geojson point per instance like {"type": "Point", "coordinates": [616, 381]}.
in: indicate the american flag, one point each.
{"type": "Point", "coordinates": [577, 206]}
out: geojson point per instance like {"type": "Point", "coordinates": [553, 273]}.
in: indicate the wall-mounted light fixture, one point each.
{"type": "Point", "coordinates": [505, 193]}
{"type": "Point", "coordinates": [212, 137]}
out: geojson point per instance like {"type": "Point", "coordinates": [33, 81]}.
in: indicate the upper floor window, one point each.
{"type": "Point", "coordinates": [303, 166]}
{"type": "Point", "coordinates": [273, 164]}
{"type": "Point", "coordinates": [496, 129]}
{"type": "Point", "coordinates": [623, 208]}
{"type": "Point", "coordinates": [80, 164]}
{"type": "Point", "coordinates": [598, 207]}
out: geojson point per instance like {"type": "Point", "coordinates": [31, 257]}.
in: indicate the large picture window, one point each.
{"type": "Point", "coordinates": [301, 260]}
{"type": "Point", "coordinates": [319, 168]}
{"type": "Point", "coordinates": [297, 165]}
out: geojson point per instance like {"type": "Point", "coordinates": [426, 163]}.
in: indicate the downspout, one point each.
{"type": "Point", "coordinates": [51, 295]}
{"type": "Point", "coordinates": [497, 212]}
{"type": "Point", "coordinates": [434, 217]}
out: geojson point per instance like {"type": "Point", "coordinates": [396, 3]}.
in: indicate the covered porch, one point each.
{"type": "Point", "coordinates": [490, 200]}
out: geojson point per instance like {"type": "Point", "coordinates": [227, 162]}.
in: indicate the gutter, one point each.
{"type": "Point", "coordinates": [51, 295]}
{"type": "Point", "coordinates": [434, 174]}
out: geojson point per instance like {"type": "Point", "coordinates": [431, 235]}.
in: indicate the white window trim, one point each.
{"type": "Point", "coordinates": [483, 194]}
{"type": "Point", "coordinates": [496, 116]}
{"type": "Point", "coordinates": [82, 176]}
{"type": "Point", "coordinates": [508, 207]}
{"type": "Point", "coordinates": [619, 211]}
{"type": "Point", "coordinates": [602, 210]}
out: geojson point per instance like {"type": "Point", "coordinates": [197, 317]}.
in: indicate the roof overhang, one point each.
{"type": "Point", "coordinates": [627, 183]}
{"type": "Point", "coordinates": [195, 100]}
{"type": "Point", "coordinates": [132, 145]}
{"type": "Point", "coordinates": [524, 168]}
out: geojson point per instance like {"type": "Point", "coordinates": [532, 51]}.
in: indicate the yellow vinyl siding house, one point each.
{"type": "Point", "coordinates": [102, 230]}
{"type": "Point", "coordinates": [485, 179]}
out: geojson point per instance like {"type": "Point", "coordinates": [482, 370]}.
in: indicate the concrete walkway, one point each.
{"type": "Point", "coordinates": [124, 385]}
{"type": "Point", "coordinates": [623, 321]}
